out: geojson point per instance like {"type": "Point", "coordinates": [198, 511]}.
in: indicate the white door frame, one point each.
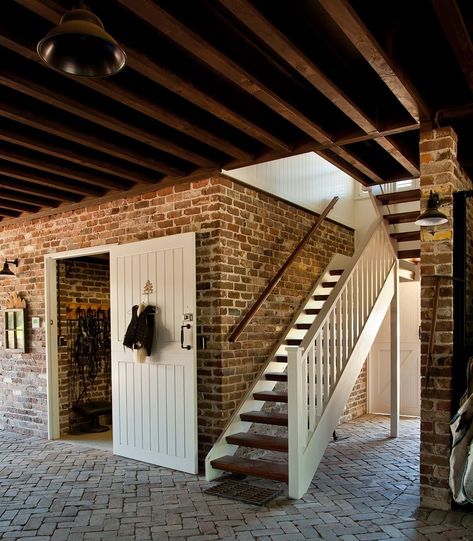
{"type": "Point", "coordinates": [50, 284]}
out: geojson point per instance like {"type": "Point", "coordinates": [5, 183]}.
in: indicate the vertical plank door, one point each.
{"type": "Point", "coordinates": [379, 365]}
{"type": "Point", "coordinates": [155, 402]}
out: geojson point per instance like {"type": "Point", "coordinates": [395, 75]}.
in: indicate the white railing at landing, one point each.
{"type": "Point", "coordinates": [323, 369]}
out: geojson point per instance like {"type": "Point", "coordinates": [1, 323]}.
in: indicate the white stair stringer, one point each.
{"type": "Point", "coordinates": [323, 369]}
{"type": "Point", "coordinates": [304, 459]}
{"type": "Point", "coordinates": [235, 424]}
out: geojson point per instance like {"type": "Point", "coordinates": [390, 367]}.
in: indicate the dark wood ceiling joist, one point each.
{"type": "Point", "coordinates": [30, 187]}
{"type": "Point", "coordinates": [354, 28]}
{"type": "Point", "coordinates": [453, 24]}
{"type": "Point", "coordinates": [225, 84]}
{"type": "Point", "coordinates": [218, 61]}
{"type": "Point", "coordinates": [288, 51]}
{"type": "Point", "coordinates": [55, 147]}
{"type": "Point", "coordinates": [139, 62]}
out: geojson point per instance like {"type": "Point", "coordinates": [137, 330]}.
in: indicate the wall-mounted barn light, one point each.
{"type": "Point", "coordinates": [432, 216]}
{"type": "Point", "coordinates": [6, 271]}
{"type": "Point", "coordinates": [79, 45]}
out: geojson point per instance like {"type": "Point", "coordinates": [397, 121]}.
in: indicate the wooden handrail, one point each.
{"type": "Point", "coordinates": [274, 282]}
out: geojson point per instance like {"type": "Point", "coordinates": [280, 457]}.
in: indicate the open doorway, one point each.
{"type": "Point", "coordinates": [83, 350]}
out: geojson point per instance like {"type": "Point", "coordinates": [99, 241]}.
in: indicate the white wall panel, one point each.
{"type": "Point", "coordinates": [307, 180]}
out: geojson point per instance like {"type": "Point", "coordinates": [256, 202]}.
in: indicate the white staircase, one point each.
{"type": "Point", "coordinates": [320, 357]}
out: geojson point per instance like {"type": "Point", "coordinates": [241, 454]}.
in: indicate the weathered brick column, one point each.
{"type": "Point", "coordinates": [441, 173]}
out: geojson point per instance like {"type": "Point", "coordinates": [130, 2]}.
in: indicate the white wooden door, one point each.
{"type": "Point", "coordinates": [379, 364]}
{"type": "Point", "coordinates": [155, 402]}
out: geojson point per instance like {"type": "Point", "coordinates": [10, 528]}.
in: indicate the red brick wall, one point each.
{"type": "Point", "coordinates": [80, 283]}
{"type": "Point", "coordinates": [243, 236]}
{"type": "Point", "coordinates": [440, 172]}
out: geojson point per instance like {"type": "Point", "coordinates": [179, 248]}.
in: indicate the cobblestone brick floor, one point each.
{"type": "Point", "coordinates": [366, 489]}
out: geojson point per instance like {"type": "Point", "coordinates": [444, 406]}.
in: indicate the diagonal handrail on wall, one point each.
{"type": "Point", "coordinates": [323, 369]}
{"type": "Point", "coordinates": [274, 282]}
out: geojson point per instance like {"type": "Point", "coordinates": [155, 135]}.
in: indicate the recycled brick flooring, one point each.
{"type": "Point", "coordinates": [365, 489]}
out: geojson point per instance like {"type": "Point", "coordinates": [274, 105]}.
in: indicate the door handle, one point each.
{"type": "Point", "coordinates": [186, 326]}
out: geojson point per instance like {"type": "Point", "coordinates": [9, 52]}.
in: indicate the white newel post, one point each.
{"type": "Point", "coordinates": [395, 356]}
{"type": "Point", "coordinates": [296, 418]}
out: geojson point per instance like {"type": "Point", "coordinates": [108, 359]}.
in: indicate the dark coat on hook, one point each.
{"type": "Point", "coordinates": [140, 329]}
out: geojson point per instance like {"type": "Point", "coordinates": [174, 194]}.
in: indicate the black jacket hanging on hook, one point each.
{"type": "Point", "coordinates": [140, 329]}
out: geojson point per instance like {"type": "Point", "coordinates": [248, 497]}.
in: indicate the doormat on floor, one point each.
{"type": "Point", "coordinates": [243, 492]}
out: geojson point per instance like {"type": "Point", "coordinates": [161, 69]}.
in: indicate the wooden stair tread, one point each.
{"type": "Point", "coordinates": [259, 441]}
{"type": "Point", "coordinates": [405, 196]}
{"type": "Point", "coordinates": [257, 468]}
{"type": "Point", "coordinates": [303, 326]}
{"type": "Point", "coordinates": [406, 236]}
{"type": "Point", "coordinates": [311, 311]}
{"type": "Point", "coordinates": [293, 341]}
{"type": "Point", "coordinates": [408, 254]}
{"type": "Point", "coordinates": [266, 417]}
{"type": "Point", "coordinates": [329, 284]}
{"type": "Point", "coordinates": [336, 272]}
{"type": "Point", "coordinates": [276, 376]}
{"type": "Point", "coordinates": [320, 297]}
{"type": "Point", "coordinates": [281, 358]}
{"type": "Point", "coordinates": [271, 396]}
{"type": "Point", "coordinates": [401, 217]}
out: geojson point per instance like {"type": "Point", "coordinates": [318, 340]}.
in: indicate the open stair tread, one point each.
{"type": "Point", "coordinates": [402, 217]}
{"type": "Point", "coordinates": [311, 311]}
{"type": "Point", "coordinates": [406, 236]}
{"type": "Point", "coordinates": [265, 417]}
{"type": "Point", "coordinates": [271, 396]}
{"type": "Point", "coordinates": [408, 254]}
{"type": "Point", "coordinates": [405, 196]}
{"type": "Point", "coordinates": [256, 468]}
{"type": "Point", "coordinates": [276, 376]}
{"type": "Point", "coordinates": [336, 272]}
{"type": "Point", "coordinates": [259, 441]}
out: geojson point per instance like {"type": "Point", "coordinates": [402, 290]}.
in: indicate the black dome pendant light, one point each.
{"type": "Point", "coordinates": [80, 46]}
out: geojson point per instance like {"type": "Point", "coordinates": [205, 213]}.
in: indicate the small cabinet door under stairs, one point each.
{"type": "Point", "coordinates": [154, 402]}
{"type": "Point", "coordinates": [379, 364]}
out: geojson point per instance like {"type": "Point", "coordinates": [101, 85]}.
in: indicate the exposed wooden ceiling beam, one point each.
{"type": "Point", "coordinates": [87, 112]}
{"type": "Point", "coordinates": [187, 90]}
{"type": "Point", "coordinates": [197, 46]}
{"type": "Point", "coordinates": [6, 213]}
{"type": "Point", "coordinates": [286, 49]}
{"type": "Point", "coordinates": [451, 20]}
{"type": "Point", "coordinates": [347, 168]}
{"type": "Point", "coordinates": [44, 123]}
{"type": "Point", "coordinates": [143, 105]}
{"type": "Point", "coordinates": [29, 188]}
{"type": "Point", "coordinates": [192, 42]}
{"type": "Point", "coordinates": [63, 185]}
{"type": "Point", "coordinates": [58, 150]}
{"type": "Point", "coordinates": [9, 204]}
{"type": "Point", "coordinates": [354, 28]}
{"type": "Point", "coordinates": [18, 196]}
{"type": "Point", "coordinates": [160, 114]}
{"type": "Point", "coordinates": [60, 170]}
{"type": "Point", "coordinates": [173, 82]}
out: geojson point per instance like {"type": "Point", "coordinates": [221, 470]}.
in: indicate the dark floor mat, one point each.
{"type": "Point", "coordinates": [243, 492]}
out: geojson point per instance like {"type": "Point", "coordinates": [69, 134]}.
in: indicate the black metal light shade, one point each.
{"type": "Point", "coordinates": [80, 46]}
{"type": "Point", "coordinates": [6, 271]}
{"type": "Point", "coordinates": [432, 216]}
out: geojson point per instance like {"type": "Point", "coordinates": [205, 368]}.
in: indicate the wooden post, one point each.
{"type": "Point", "coordinates": [296, 409]}
{"type": "Point", "coordinates": [395, 356]}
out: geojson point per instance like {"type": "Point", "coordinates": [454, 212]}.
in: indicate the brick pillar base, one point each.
{"type": "Point", "coordinates": [441, 173]}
